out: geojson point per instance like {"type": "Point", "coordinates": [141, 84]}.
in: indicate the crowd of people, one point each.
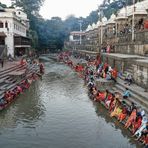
{"type": "Point", "coordinates": [20, 87]}
{"type": "Point", "coordinates": [134, 118]}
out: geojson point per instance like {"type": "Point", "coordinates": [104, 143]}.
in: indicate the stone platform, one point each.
{"type": "Point", "coordinates": [103, 84]}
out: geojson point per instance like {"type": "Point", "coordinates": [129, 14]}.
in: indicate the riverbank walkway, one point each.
{"type": "Point", "coordinates": [138, 94]}
{"type": "Point", "coordinates": [13, 73]}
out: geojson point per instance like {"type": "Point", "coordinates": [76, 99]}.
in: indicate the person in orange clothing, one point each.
{"type": "Point", "coordinates": [114, 74]}
{"type": "Point", "coordinates": [131, 118]}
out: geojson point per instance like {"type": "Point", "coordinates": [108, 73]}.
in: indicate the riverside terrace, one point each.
{"type": "Point", "coordinates": [138, 94]}
{"type": "Point", "coordinates": [129, 107]}
{"type": "Point", "coordinates": [13, 73]}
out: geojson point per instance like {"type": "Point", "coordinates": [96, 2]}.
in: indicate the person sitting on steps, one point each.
{"type": "Point", "coordinates": [126, 93]}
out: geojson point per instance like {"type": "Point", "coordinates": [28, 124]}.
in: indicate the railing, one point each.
{"type": "Point", "coordinates": [21, 41]}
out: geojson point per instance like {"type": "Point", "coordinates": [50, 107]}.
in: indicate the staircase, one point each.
{"type": "Point", "coordinates": [8, 82]}
{"type": "Point", "coordinates": [138, 94]}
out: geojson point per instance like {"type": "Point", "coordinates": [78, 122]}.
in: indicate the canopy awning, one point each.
{"type": "Point", "coordinates": [2, 34]}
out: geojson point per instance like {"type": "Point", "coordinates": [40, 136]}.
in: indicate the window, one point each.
{"type": "Point", "coordinates": [1, 25]}
{"type": "Point", "coordinates": [6, 25]}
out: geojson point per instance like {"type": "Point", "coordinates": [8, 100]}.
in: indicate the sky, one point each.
{"type": "Point", "coordinates": [64, 8]}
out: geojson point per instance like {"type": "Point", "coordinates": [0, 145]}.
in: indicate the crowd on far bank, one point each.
{"type": "Point", "coordinates": [130, 115]}
{"type": "Point", "coordinates": [33, 71]}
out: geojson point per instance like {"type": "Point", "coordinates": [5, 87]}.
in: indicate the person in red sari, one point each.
{"type": "Point", "coordinates": [136, 124]}
{"type": "Point", "coordinates": [109, 99]}
{"type": "Point", "coordinates": [101, 96]}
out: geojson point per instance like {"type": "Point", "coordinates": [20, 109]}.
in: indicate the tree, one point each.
{"type": "Point", "coordinates": [29, 6]}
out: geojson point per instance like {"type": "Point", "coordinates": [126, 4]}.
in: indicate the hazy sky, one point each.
{"type": "Point", "coordinates": [63, 8]}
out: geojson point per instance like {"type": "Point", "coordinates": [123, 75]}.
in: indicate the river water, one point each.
{"type": "Point", "coordinates": [57, 113]}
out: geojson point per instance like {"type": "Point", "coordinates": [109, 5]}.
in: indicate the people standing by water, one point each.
{"type": "Point", "coordinates": [128, 114]}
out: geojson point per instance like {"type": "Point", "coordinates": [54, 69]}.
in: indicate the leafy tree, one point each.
{"type": "Point", "coordinates": [3, 5]}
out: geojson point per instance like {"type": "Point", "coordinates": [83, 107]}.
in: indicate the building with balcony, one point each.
{"type": "Point", "coordinates": [14, 25]}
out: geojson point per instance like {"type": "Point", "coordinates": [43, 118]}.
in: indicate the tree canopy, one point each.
{"type": "Point", "coordinates": [51, 34]}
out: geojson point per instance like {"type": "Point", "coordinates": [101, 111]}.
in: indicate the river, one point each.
{"type": "Point", "coordinates": [57, 113]}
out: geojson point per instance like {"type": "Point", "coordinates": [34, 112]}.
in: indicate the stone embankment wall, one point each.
{"type": "Point", "coordinates": [121, 44]}
{"type": "Point", "coordinates": [140, 73]}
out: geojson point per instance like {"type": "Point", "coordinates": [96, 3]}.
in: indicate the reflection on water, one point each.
{"type": "Point", "coordinates": [57, 113]}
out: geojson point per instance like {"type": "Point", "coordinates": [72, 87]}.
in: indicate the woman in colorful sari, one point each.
{"type": "Point", "coordinates": [123, 114]}
{"type": "Point", "coordinates": [117, 111]}
{"type": "Point", "coordinates": [113, 104]}
{"type": "Point", "coordinates": [136, 124]}
{"type": "Point", "coordinates": [102, 96]}
{"type": "Point", "coordinates": [109, 99]}
{"type": "Point", "coordinates": [131, 118]}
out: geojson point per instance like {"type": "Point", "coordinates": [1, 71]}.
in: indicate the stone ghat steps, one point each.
{"type": "Point", "coordinates": [135, 89]}
{"type": "Point", "coordinates": [6, 80]}
{"type": "Point", "coordinates": [139, 101]}
{"type": "Point", "coordinates": [32, 69]}
{"type": "Point", "coordinates": [15, 68]}
{"type": "Point", "coordinates": [130, 99]}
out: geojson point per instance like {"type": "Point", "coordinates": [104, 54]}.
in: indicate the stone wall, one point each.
{"type": "Point", "coordinates": [140, 74]}
{"type": "Point", "coordinates": [132, 48]}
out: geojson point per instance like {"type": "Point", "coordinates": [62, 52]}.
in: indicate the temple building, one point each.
{"type": "Point", "coordinates": [126, 36]}
{"type": "Point", "coordinates": [14, 25]}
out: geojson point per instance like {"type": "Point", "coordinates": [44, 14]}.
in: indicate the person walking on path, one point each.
{"type": "Point", "coordinates": [2, 63]}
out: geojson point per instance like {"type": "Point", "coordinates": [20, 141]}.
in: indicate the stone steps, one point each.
{"type": "Point", "coordinates": [129, 100]}
{"type": "Point", "coordinates": [134, 88]}
{"type": "Point", "coordinates": [32, 69]}
{"type": "Point", "coordinates": [137, 97]}
{"type": "Point", "coordinates": [129, 71]}
{"type": "Point", "coordinates": [5, 73]}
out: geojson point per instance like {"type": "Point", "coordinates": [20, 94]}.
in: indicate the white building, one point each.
{"type": "Point", "coordinates": [13, 31]}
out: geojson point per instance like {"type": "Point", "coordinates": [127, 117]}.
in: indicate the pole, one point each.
{"type": "Point", "coordinates": [101, 26]}
{"type": "Point", "coordinates": [133, 21]}
{"type": "Point", "coordinates": [80, 22]}
{"type": "Point", "coordinates": [80, 33]}
{"type": "Point", "coordinates": [116, 29]}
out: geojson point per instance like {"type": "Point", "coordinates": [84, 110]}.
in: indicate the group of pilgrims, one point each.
{"type": "Point", "coordinates": [131, 116]}
{"type": "Point", "coordinates": [10, 95]}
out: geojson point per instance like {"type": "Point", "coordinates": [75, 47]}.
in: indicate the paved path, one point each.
{"type": "Point", "coordinates": [8, 64]}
